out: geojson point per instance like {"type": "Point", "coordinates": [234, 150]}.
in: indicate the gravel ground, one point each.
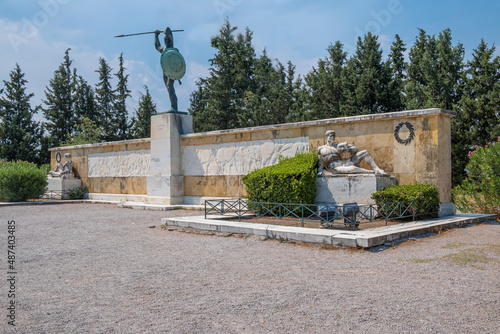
{"type": "Point", "coordinates": [94, 268]}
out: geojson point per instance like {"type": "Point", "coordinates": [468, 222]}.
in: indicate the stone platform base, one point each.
{"type": "Point", "coordinates": [58, 188]}
{"type": "Point", "coordinates": [145, 199]}
{"type": "Point", "coordinates": [349, 188]}
{"type": "Point", "coordinates": [360, 238]}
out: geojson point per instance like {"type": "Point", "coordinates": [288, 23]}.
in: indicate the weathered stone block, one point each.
{"type": "Point", "coordinates": [60, 187]}
{"type": "Point", "coordinates": [350, 188]}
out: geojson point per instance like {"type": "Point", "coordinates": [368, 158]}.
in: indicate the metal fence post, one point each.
{"type": "Point", "coordinates": [302, 206]}
{"type": "Point", "coordinates": [413, 211]}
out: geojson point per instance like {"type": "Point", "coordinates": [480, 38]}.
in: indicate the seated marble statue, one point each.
{"type": "Point", "coordinates": [62, 170]}
{"type": "Point", "coordinates": [344, 158]}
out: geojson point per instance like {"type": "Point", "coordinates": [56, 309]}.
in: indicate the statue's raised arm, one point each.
{"type": "Point", "coordinates": [157, 42]}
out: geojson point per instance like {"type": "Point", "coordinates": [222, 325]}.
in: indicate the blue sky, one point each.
{"type": "Point", "coordinates": [35, 33]}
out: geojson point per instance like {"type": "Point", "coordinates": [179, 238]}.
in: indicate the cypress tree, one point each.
{"type": "Point", "coordinates": [259, 100]}
{"type": "Point", "coordinates": [121, 124]}
{"type": "Point", "coordinates": [324, 85]}
{"type": "Point", "coordinates": [274, 100]}
{"type": "Point", "coordinates": [366, 80]}
{"type": "Point", "coordinates": [20, 135]}
{"type": "Point", "coordinates": [141, 123]}
{"type": "Point", "coordinates": [435, 72]}
{"type": "Point", "coordinates": [59, 98]}
{"type": "Point", "coordinates": [231, 77]}
{"type": "Point", "coordinates": [85, 105]}
{"type": "Point", "coordinates": [416, 82]}
{"type": "Point", "coordinates": [290, 106]}
{"type": "Point", "coordinates": [105, 99]}
{"type": "Point", "coordinates": [398, 70]}
{"type": "Point", "coordinates": [479, 120]}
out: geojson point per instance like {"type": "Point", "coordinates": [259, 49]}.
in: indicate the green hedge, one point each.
{"type": "Point", "coordinates": [292, 180]}
{"type": "Point", "coordinates": [22, 180]}
{"type": "Point", "coordinates": [426, 196]}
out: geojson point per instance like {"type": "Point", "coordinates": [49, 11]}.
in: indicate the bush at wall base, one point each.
{"type": "Point", "coordinates": [291, 180]}
{"type": "Point", "coordinates": [425, 198]}
{"type": "Point", "coordinates": [480, 191]}
{"type": "Point", "coordinates": [78, 192]}
{"type": "Point", "coordinates": [21, 180]}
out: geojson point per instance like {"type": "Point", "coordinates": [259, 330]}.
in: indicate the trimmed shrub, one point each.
{"type": "Point", "coordinates": [425, 197]}
{"type": "Point", "coordinates": [22, 180]}
{"type": "Point", "coordinates": [480, 191]}
{"type": "Point", "coordinates": [291, 180]}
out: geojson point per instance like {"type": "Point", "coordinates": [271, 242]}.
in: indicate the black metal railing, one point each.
{"type": "Point", "coordinates": [328, 215]}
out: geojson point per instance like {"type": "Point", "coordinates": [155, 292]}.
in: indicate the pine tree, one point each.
{"type": "Point", "coordinates": [366, 80]}
{"type": "Point", "coordinates": [231, 77]}
{"type": "Point", "coordinates": [84, 100]}
{"type": "Point", "coordinates": [479, 120]}
{"type": "Point", "coordinates": [87, 132]}
{"type": "Point", "coordinates": [451, 70]}
{"type": "Point", "coordinates": [259, 100]}
{"type": "Point", "coordinates": [290, 106]}
{"type": "Point", "coordinates": [416, 82]}
{"type": "Point", "coordinates": [198, 104]}
{"type": "Point", "coordinates": [141, 123]}
{"type": "Point", "coordinates": [435, 72]}
{"type": "Point", "coordinates": [20, 135]}
{"type": "Point", "coordinates": [324, 84]}
{"type": "Point", "coordinates": [398, 69]}
{"type": "Point", "coordinates": [275, 97]}
{"type": "Point", "coordinates": [105, 99]}
{"type": "Point", "coordinates": [121, 93]}
{"type": "Point", "coordinates": [59, 98]}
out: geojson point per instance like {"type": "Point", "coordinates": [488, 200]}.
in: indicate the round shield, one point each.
{"type": "Point", "coordinates": [173, 63]}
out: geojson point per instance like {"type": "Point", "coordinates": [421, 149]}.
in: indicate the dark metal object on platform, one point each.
{"type": "Point", "coordinates": [350, 212]}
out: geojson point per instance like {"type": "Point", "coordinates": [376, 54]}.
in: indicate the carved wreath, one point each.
{"type": "Point", "coordinates": [58, 156]}
{"type": "Point", "coordinates": [410, 137]}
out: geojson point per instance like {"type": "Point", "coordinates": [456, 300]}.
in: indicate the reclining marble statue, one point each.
{"type": "Point", "coordinates": [62, 171]}
{"type": "Point", "coordinates": [344, 158]}
{"type": "Point", "coordinates": [61, 180]}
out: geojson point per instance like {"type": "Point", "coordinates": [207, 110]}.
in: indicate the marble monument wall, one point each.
{"type": "Point", "coordinates": [178, 166]}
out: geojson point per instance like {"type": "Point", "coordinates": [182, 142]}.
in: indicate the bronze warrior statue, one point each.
{"type": "Point", "coordinates": [172, 63]}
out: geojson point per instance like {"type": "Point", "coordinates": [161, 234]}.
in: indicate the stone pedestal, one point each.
{"type": "Point", "coordinates": [165, 179]}
{"type": "Point", "coordinates": [349, 188]}
{"type": "Point", "coordinates": [58, 188]}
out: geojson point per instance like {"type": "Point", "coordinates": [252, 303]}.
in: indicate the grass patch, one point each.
{"type": "Point", "coordinates": [283, 240]}
{"type": "Point", "coordinates": [492, 247]}
{"type": "Point", "coordinates": [488, 247]}
{"type": "Point", "coordinates": [416, 260]}
{"type": "Point", "coordinates": [469, 257]}
{"type": "Point", "coordinates": [454, 245]}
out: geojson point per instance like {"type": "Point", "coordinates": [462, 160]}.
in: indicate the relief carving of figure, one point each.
{"type": "Point", "coordinates": [344, 158]}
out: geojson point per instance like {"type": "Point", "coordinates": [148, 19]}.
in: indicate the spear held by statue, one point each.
{"type": "Point", "coordinates": [144, 33]}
